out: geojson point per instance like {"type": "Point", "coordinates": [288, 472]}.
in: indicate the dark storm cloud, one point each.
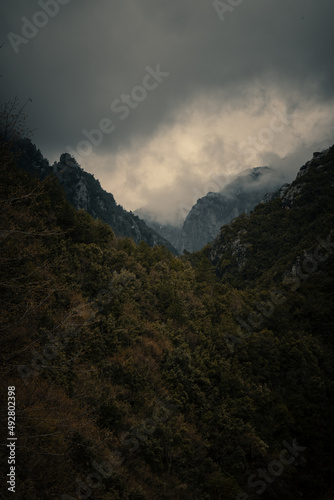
{"type": "Point", "coordinates": [91, 53]}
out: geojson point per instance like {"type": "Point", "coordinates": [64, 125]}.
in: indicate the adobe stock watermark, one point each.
{"type": "Point", "coordinates": [40, 19]}
{"type": "Point", "coordinates": [137, 435]}
{"type": "Point", "coordinates": [263, 477]}
{"type": "Point", "coordinates": [222, 8]}
{"type": "Point", "coordinates": [301, 270]}
{"type": "Point", "coordinates": [122, 107]}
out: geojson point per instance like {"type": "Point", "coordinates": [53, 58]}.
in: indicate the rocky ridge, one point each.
{"type": "Point", "coordinates": [83, 191]}
{"type": "Point", "coordinates": [212, 211]}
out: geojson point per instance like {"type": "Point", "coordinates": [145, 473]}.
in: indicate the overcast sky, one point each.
{"type": "Point", "coordinates": [186, 92]}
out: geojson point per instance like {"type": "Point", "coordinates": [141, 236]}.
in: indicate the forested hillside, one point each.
{"type": "Point", "coordinates": [141, 375]}
{"type": "Point", "coordinates": [83, 191]}
{"type": "Point", "coordinates": [258, 248]}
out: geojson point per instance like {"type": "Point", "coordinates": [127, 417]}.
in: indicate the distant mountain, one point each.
{"type": "Point", "coordinates": [172, 233]}
{"type": "Point", "coordinates": [211, 212]}
{"type": "Point", "coordinates": [83, 191]}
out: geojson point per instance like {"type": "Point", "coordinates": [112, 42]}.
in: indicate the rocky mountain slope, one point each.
{"type": "Point", "coordinates": [212, 211]}
{"type": "Point", "coordinates": [83, 191]}
{"type": "Point", "coordinates": [257, 247]}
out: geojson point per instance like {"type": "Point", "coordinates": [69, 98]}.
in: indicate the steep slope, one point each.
{"type": "Point", "coordinates": [83, 191]}
{"type": "Point", "coordinates": [258, 247]}
{"type": "Point", "coordinates": [211, 212]}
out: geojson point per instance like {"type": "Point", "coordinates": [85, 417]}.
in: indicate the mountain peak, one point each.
{"type": "Point", "coordinates": [69, 161]}
{"type": "Point", "coordinates": [83, 191]}
{"type": "Point", "coordinates": [212, 211]}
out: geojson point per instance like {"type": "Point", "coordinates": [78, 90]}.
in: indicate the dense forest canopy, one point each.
{"type": "Point", "coordinates": [141, 375]}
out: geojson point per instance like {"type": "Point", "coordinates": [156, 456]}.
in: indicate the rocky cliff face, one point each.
{"type": "Point", "coordinates": [211, 212]}
{"type": "Point", "coordinates": [83, 191]}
